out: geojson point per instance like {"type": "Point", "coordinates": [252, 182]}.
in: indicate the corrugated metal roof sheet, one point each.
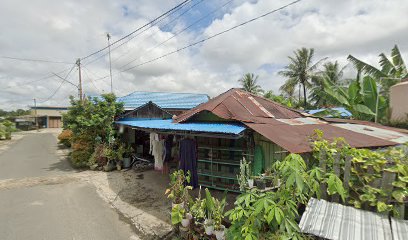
{"type": "Point", "coordinates": [375, 132]}
{"type": "Point", "coordinates": [159, 124]}
{"type": "Point", "coordinates": [296, 138]}
{"type": "Point", "coordinates": [163, 99]}
{"type": "Point", "coordinates": [335, 221]}
{"type": "Point", "coordinates": [239, 105]}
{"type": "Point", "coordinates": [342, 111]}
{"type": "Point", "coordinates": [399, 229]}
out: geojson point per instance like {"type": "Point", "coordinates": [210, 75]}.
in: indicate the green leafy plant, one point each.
{"type": "Point", "coordinates": [178, 188]}
{"type": "Point", "coordinates": [244, 174]}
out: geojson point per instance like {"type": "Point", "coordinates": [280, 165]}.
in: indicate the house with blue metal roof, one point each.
{"type": "Point", "coordinates": [174, 103]}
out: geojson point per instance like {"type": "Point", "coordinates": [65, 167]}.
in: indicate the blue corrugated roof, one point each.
{"type": "Point", "coordinates": [159, 124]}
{"type": "Point", "coordinates": [343, 112]}
{"type": "Point", "coordinates": [164, 100]}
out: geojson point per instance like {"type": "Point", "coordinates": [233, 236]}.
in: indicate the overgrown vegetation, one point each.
{"type": "Point", "coordinates": [6, 129]}
{"type": "Point", "coordinates": [322, 85]}
{"type": "Point", "coordinates": [91, 124]}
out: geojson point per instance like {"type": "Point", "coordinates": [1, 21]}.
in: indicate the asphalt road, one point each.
{"type": "Point", "coordinates": [69, 210]}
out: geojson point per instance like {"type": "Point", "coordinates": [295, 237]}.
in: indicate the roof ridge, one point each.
{"type": "Point", "coordinates": [203, 94]}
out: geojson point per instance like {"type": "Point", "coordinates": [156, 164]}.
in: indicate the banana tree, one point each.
{"type": "Point", "coordinates": [392, 69]}
{"type": "Point", "coordinates": [362, 100]}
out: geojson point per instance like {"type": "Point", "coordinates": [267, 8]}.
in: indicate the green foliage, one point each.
{"type": "Point", "coordinates": [299, 71]}
{"type": "Point", "coordinates": [14, 113]}
{"type": "Point", "coordinates": [366, 174]}
{"type": "Point", "coordinates": [6, 128]}
{"type": "Point", "coordinates": [249, 84]}
{"type": "Point", "coordinates": [359, 99]}
{"type": "Point", "coordinates": [244, 174]}
{"type": "Point", "coordinates": [177, 214]}
{"type": "Point", "coordinates": [258, 214]}
{"type": "Point", "coordinates": [280, 99]}
{"type": "Point", "coordinates": [91, 123]}
{"type": "Point", "coordinates": [65, 137]}
{"type": "Point", "coordinates": [177, 190]}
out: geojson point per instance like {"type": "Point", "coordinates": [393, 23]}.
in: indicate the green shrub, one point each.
{"type": "Point", "coordinates": [65, 137]}
{"type": "Point", "coordinates": [80, 158]}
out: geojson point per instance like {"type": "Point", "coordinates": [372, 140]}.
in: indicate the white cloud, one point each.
{"type": "Point", "coordinates": [67, 30]}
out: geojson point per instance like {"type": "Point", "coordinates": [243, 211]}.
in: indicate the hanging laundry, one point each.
{"type": "Point", "coordinates": [188, 159]}
{"type": "Point", "coordinates": [158, 154]}
{"type": "Point", "coordinates": [153, 137]}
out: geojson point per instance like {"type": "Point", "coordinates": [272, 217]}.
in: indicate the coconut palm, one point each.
{"type": "Point", "coordinates": [392, 70]}
{"type": "Point", "coordinates": [331, 72]}
{"type": "Point", "coordinates": [299, 72]}
{"type": "Point", "coordinates": [249, 84]}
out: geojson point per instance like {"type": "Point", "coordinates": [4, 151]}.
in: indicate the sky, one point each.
{"type": "Point", "coordinates": [63, 31]}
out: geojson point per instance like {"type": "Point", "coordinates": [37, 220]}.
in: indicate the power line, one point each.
{"type": "Point", "coordinates": [210, 37]}
{"type": "Point", "coordinates": [35, 60]}
{"type": "Point", "coordinates": [138, 29]}
{"type": "Point", "coordinates": [62, 82]}
{"type": "Point", "coordinates": [151, 26]}
{"type": "Point", "coordinates": [92, 81]}
{"type": "Point", "coordinates": [181, 31]}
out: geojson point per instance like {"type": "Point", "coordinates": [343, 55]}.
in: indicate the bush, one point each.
{"type": "Point", "coordinates": [65, 137]}
{"type": "Point", "coordinates": [80, 158]}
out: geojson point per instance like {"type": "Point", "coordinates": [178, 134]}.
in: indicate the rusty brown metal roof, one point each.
{"type": "Point", "coordinates": [286, 127]}
{"type": "Point", "coordinates": [296, 138]}
{"type": "Point", "coordinates": [239, 105]}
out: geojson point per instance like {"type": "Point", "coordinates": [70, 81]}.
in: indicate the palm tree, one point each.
{"type": "Point", "coordinates": [331, 72]}
{"type": "Point", "coordinates": [392, 69]}
{"type": "Point", "coordinates": [299, 72]}
{"type": "Point", "coordinates": [249, 84]}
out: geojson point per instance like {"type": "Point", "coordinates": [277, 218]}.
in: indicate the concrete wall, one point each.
{"type": "Point", "coordinates": [399, 102]}
{"type": "Point", "coordinates": [48, 112]}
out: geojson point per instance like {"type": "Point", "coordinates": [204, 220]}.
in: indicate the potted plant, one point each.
{"type": "Point", "coordinates": [244, 177]}
{"type": "Point", "coordinates": [218, 215]}
{"type": "Point", "coordinates": [111, 156]}
{"type": "Point", "coordinates": [260, 182]}
{"type": "Point", "coordinates": [268, 178]}
{"type": "Point", "coordinates": [119, 156]}
{"type": "Point", "coordinates": [177, 191]}
{"type": "Point", "coordinates": [126, 156]}
{"type": "Point", "coordinates": [208, 226]}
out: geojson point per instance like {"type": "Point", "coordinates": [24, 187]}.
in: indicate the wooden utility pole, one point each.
{"type": "Point", "coordinates": [78, 62]}
{"type": "Point", "coordinates": [35, 114]}
{"type": "Point", "coordinates": [110, 61]}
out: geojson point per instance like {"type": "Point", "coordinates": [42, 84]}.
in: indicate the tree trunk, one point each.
{"type": "Point", "coordinates": [304, 96]}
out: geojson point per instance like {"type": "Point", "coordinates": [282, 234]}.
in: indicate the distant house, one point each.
{"type": "Point", "coordinates": [48, 117]}
{"type": "Point", "coordinates": [173, 103]}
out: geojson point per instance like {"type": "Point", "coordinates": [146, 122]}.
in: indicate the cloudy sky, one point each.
{"type": "Point", "coordinates": [63, 31]}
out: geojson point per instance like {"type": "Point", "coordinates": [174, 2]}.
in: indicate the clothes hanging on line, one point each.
{"type": "Point", "coordinates": [153, 137]}
{"type": "Point", "coordinates": [157, 149]}
{"type": "Point", "coordinates": [188, 159]}
{"type": "Point", "coordinates": [168, 145]}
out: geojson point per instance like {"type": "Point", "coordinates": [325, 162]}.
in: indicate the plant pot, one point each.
{"type": "Point", "coordinates": [109, 166]}
{"type": "Point", "coordinates": [220, 233]}
{"type": "Point", "coordinates": [118, 166]}
{"type": "Point", "coordinates": [209, 229]}
{"type": "Point", "coordinates": [260, 184]}
{"type": "Point", "coordinates": [268, 182]}
{"type": "Point", "coordinates": [189, 216]}
{"type": "Point", "coordinates": [185, 222]}
{"type": "Point", "coordinates": [126, 162]}
{"type": "Point", "coordinates": [250, 183]}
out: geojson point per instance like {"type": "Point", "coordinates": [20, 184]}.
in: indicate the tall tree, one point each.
{"type": "Point", "coordinates": [249, 83]}
{"type": "Point", "coordinates": [331, 72]}
{"type": "Point", "coordinates": [299, 71]}
{"type": "Point", "coordinates": [392, 69]}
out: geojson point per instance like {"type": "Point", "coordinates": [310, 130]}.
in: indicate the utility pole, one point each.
{"type": "Point", "coordinates": [35, 114]}
{"type": "Point", "coordinates": [78, 62]}
{"type": "Point", "coordinates": [110, 61]}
